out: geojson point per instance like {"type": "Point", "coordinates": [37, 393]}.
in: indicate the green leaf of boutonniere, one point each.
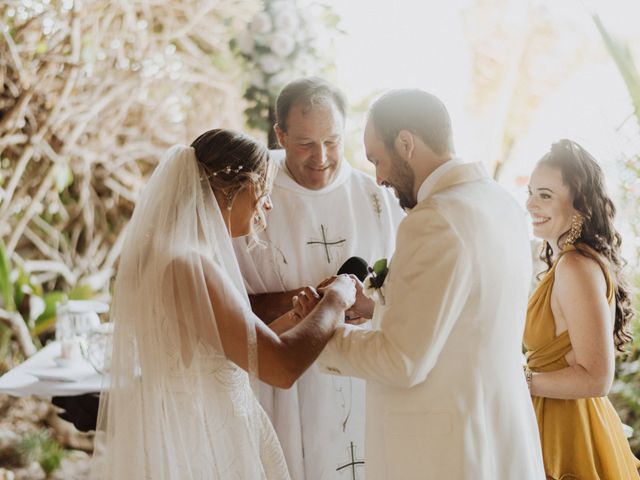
{"type": "Point", "coordinates": [378, 273]}
{"type": "Point", "coordinates": [380, 266]}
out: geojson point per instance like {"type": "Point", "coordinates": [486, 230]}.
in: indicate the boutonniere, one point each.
{"type": "Point", "coordinates": [375, 280]}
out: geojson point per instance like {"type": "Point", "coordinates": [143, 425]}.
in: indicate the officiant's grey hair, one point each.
{"type": "Point", "coordinates": [308, 92]}
{"type": "Point", "coordinates": [417, 111]}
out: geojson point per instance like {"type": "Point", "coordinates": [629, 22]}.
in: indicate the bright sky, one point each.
{"type": "Point", "coordinates": [404, 46]}
{"type": "Point", "coordinates": [411, 43]}
{"type": "Point", "coordinates": [423, 43]}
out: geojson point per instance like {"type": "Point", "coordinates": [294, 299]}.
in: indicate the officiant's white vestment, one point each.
{"type": "Point", "coordinates": [446, 394]}
{"type": "Point", "coordinates": [309, 235]}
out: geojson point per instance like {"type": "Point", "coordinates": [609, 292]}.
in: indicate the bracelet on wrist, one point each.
{"type": "Point", "coordinates": [528, 375]}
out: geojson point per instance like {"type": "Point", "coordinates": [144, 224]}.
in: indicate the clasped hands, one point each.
{"type": "Point", "coordinates": [360, 311]}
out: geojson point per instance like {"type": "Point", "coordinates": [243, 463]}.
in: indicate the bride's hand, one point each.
{"type": "Point", "coordinates": [305, 301]}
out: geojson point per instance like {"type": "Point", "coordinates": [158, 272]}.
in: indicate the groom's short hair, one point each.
{"type": "Point", "coordinates": [308, 92]}
{"type": "Point", "coordinates": [417, 111]}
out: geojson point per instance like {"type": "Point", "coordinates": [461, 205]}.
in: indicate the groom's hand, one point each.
{"type": "Point", "coordinates": [362, 310]}
{"type": "Point", "coordinates": [342, 288]}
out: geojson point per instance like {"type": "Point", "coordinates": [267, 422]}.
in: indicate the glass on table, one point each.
{"type": "Point", "coordinates": [97, 350]}
{"type": "Point", "coordinates": [76, 319]}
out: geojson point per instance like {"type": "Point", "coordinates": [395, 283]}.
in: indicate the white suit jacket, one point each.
{"type": "Point", "coordinates": [446, 394]}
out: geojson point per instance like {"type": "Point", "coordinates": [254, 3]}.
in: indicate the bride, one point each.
{"type": "Point", "coordinates": [187, 349]}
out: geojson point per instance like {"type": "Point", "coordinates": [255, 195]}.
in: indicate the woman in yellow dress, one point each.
{"type": "Point", "coordinates": [577, 319]}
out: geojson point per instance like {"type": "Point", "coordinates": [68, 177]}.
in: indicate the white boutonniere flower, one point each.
{"type": "Point", "coordinates": [373, 284]}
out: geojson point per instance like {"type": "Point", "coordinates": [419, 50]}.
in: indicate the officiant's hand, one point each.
{"type": "Point", "coordinates": [326, 282]}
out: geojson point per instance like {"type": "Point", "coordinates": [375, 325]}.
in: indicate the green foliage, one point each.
{"type": "Point", "coordinates": [6, 286]}
{"type": "Point", "coordinates": [46, 320]}
{"type": "Point", "coordinates": [81, 292]}
{"type": "Point", "coordinates": [259, 101]}
{"type": "Point", "coordinates": [380, 266]}
{"type": "Point", "coordinates": [8, 303]}
{"type": "Point", "coordinates": [19, 293]}
{"type": "Point", "coordinates": [625, 392]}
{"type": "Point", "coordinates": [626, 389]}
{"type": "Point", "coordinates": [38, 446]}
{"type": "Point", "coordinates": [24, 288]}
{"type": "Point", "coordinates": [5, 348]}
{"type": "Point", "coordinates": [622, 56]}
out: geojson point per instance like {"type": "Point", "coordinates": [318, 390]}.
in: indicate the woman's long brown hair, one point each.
{"type": "Point", "coordinates": [585, 180]}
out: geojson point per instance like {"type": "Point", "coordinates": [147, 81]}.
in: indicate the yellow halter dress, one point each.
{"type": "Point", "coordinates": [581, 439]}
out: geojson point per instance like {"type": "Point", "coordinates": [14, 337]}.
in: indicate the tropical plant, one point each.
{"type": "Point", "coordinates": [626, 388]}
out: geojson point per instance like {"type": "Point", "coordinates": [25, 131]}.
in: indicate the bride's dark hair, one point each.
{"type": "Point", "coordinates": [585, 180]}
{"type": "Point", "coordinates": [231, 160]}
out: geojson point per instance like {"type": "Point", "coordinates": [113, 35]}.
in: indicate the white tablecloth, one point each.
{"type": "Point", "coordinates": [35, 376]}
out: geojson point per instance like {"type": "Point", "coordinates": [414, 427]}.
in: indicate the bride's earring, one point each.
{"type": "Point", "coordinates": [575, 232]}
{"type": "Point", "coordinates": [229, 199]}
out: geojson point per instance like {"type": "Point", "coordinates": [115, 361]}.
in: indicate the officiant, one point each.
{"type": "Point", "coordinates": [324, 212]}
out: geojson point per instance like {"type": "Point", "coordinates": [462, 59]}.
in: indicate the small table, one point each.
{"type": "Point", "coordinates": [40, 376]}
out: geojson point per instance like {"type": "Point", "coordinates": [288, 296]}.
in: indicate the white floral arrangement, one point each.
{"type": "Point", "coordinates": [286, 40]}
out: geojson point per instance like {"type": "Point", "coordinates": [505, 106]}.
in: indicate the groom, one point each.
{"type": "Point", "coordinates": [446, 396]}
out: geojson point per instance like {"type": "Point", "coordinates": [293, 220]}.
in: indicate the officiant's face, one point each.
{"type": "Point", "coordinates": [392, 171]}
{"type": "Point", "coordinates": [313, 143]}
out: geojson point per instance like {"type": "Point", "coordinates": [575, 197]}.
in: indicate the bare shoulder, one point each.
{"type": "Point", "coordinates": [575, 270]}
{"type": "Point", "coordinates": [182, 263]}
{"type": "Point", "coordinates": [192, 265]}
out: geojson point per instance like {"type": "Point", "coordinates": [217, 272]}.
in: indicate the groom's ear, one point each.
{"type": "Point", "coordinates": [405, 144]}
{"type": "Point", "coordinates": [280, 135]}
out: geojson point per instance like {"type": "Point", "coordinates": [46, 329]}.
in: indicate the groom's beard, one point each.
{"type": "Point", "coordinates": [402, 180]}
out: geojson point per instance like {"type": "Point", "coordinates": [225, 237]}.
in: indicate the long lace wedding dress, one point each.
{"type": "Point", "coordinates": [176, 408]}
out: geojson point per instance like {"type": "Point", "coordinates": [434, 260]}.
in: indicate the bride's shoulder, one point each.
{"type": "Point", "coordinates": [191, 262]}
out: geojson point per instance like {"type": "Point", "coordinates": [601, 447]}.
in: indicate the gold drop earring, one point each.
{"type": "Point", "coordinates": [575, 232]}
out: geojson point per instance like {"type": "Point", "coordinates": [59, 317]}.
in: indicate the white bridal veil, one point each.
{"type": "Point", "coordinates": [176, 408]}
